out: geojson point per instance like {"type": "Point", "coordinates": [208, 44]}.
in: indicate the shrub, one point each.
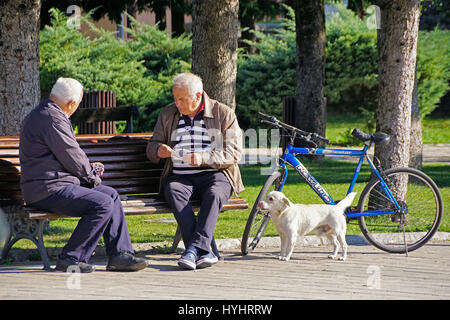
{"type": "Point", "coordinates": [263, 79]}
{"type": "Point", "coordinates": [163, 57]}
{"type": "Point", "coordinates": [138, 70]}
{"type": "Point", "coordinates": [351, 69]}
{"type": "Point", "coordinates": [433, 68]}
{"type": "Point", "coordinates": [102, 63]}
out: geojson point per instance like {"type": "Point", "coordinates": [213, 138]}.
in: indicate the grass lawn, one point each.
{"type": "Point", "coordinates": [435, 130]}
{"type": "Point", "coordinates": [333, 175]}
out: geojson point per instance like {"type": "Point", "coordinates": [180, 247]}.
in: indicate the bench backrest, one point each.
{"type": "Point", "coordinates": [127, 168]}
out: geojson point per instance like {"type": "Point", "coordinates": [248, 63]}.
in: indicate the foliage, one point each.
{"type": "Point", "coordinates": [435, 13]}
{"type": "Point", "coordinates": [102, 63]}
{"type": "Point", "coordinates": [433, 68]}
{"type": "Point", "coordinates": [163, 57]}
{"type": "Point", "coordinates": [263, 79]}
{"type": "Point", "coordinates": [351, 69]}
{"type": "Point", "coordinates": [139, 70]}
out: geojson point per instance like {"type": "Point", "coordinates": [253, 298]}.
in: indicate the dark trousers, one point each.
{"type": "Point", "coordinates": [212, 189]}
{"type": "Point", "coordinates": [101, 214]}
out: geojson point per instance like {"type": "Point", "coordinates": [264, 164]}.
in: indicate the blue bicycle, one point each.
{"type": "Point", "coordinates": [399, 209]}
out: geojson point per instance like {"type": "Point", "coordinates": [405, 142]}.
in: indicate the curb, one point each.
{"type": "Point", "coordinates": [314, 241]}
{"type": "Point", "coordinates": [23, 255]}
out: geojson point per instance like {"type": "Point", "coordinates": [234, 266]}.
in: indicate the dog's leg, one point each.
{"type": "Point", "coordinates": [283, 240]}
{"type": "Point", "coordinates": [335, 243]}
{"type": "Point", "coordinates": [290, 244]}
{"type": "Point", "coordinates": [343, 243]}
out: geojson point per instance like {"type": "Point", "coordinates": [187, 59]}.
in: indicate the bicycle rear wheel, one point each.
{"type": "Point", "coordinates": [257, 221]}
{"type": "Point", "coordinates": [409, 227]}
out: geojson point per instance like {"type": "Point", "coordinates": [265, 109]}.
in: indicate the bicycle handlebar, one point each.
{"type": "Point", "coordinates": [307, 135]}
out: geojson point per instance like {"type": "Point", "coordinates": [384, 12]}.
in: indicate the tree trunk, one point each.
{"type": "Point", "coordinates": [397, 48]}
{"type": "Point", "coordinates": [160, 17]}
{"type": "Point", "coordinates": [310, 111]}
{"type": "Point", "coordinates": [19, 62]}
{"type": "Point", "coordinates": [177, 20]}
{"type": "Point", "coordinates": [214, 47]}
{"type": "Point", "coordinates": [248, 21]}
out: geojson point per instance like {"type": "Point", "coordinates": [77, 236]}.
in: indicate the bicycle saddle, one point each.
{"type": "Point", "coordinates": [377, 137]}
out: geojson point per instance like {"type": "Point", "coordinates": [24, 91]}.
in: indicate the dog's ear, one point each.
{"type": "Point", "coordinates": [286, 201]}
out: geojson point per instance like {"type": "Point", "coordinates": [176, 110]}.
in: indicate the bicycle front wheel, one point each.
{"type": "Point", "coordinates": [406, 228]}
{"type": "Point", "coordinates": [257, 220]}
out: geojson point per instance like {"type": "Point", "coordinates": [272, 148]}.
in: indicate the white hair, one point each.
{"type": "Point", "coordinates": [190, 81]}
{"type": "Point", "coordinates": [67, 89]}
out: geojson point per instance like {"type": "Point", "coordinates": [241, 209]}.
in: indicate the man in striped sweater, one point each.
{"type": "Point", "coordinates": [201, 143]}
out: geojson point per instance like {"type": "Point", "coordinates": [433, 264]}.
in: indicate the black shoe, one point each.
{"type": "Point", "coordinates": [126, 261]}
{"type": "Point", "coordinates": [66, 264]}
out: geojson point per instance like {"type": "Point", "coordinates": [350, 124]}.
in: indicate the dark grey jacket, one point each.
{"type": "Point", "coordinates": [50, 156]}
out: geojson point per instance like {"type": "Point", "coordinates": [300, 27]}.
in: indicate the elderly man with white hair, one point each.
{"type": "Point", "coordinates": [200, 141]}
{"type": "Point", "coordinates": [57, 176]}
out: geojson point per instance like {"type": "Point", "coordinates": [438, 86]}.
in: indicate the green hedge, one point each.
{"type": "Point", "coordinates": [351, 69]}
{"type": "Point", "coordinates": [433, 68]}
{"type": "Point", "coordinates": [139, 70]}
{"type": "Point", "coordinates": [263, 79]}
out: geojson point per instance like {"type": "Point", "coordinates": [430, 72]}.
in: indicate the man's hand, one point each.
{"type": "Point", "coordinates": [164, 151]}
{"type": "Point", "coordinates": [194, 159]}
{"type": "Point", "coordinates": [99, 168]}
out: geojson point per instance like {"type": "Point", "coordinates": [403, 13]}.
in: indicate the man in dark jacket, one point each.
{"type": "Point", "coordinates": [57, 176]}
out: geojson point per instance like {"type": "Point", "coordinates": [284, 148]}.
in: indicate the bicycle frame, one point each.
{"type": "Point", "coordinates": [289, 158]}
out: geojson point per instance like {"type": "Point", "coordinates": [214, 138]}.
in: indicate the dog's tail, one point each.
{"type": "Point", "coordinates": [347, 201]}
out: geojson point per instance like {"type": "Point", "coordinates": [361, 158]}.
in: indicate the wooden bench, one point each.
{"type": "Point", "coordinates": [127, 169]}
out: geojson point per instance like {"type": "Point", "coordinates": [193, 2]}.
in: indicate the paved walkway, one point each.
{"type": "Point", "coordinates": [368, 273]}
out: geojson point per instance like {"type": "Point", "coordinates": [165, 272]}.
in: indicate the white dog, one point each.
{"type": "Point", "coordinates": [293, 220]}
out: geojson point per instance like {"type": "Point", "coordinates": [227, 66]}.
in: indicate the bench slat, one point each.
{"type": "Point", "coordinates": [132, 166]}
{"type": "Point", "coordinates": [135, 182]}
{"type": "Point", "coordinates": [141, 157]}
{"type": "Point", "coordinates": [138, 207]}
{"type": "Point", "coordinates": [109, 174]}
{"type": "Point", "coordinates": [106, 151]}
{"type": "Point", "coordinates": [9, 162]}
{"type": "Point", "coordinates": [9, 152]}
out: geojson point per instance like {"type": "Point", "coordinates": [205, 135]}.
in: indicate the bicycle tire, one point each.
{"type": "Point", "coordinates": [422, 205]}
{"type": "Point", "coordinates": [255, 227]}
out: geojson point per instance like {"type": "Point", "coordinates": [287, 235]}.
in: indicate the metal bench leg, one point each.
{"type": "Point", "coordinates": [6, 248]}
{"type": "Point", "coordinates": [41, 246]}
{"type": "Point", "coordinates": [27, 229]}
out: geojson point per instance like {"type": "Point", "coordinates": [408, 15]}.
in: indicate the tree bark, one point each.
{"type": "Point", "coordinates": [248, 21]}
{"type": "Point", "coordinates": [19, 62]}
{"type": "Point", "coordinates": [177, 20]}
{"type": "Point", "coordinates": [214, 47]}
{"type": "Point", "coordinates": [397, 48]}
{"type": "Point", "coordinates": [310, 114]}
